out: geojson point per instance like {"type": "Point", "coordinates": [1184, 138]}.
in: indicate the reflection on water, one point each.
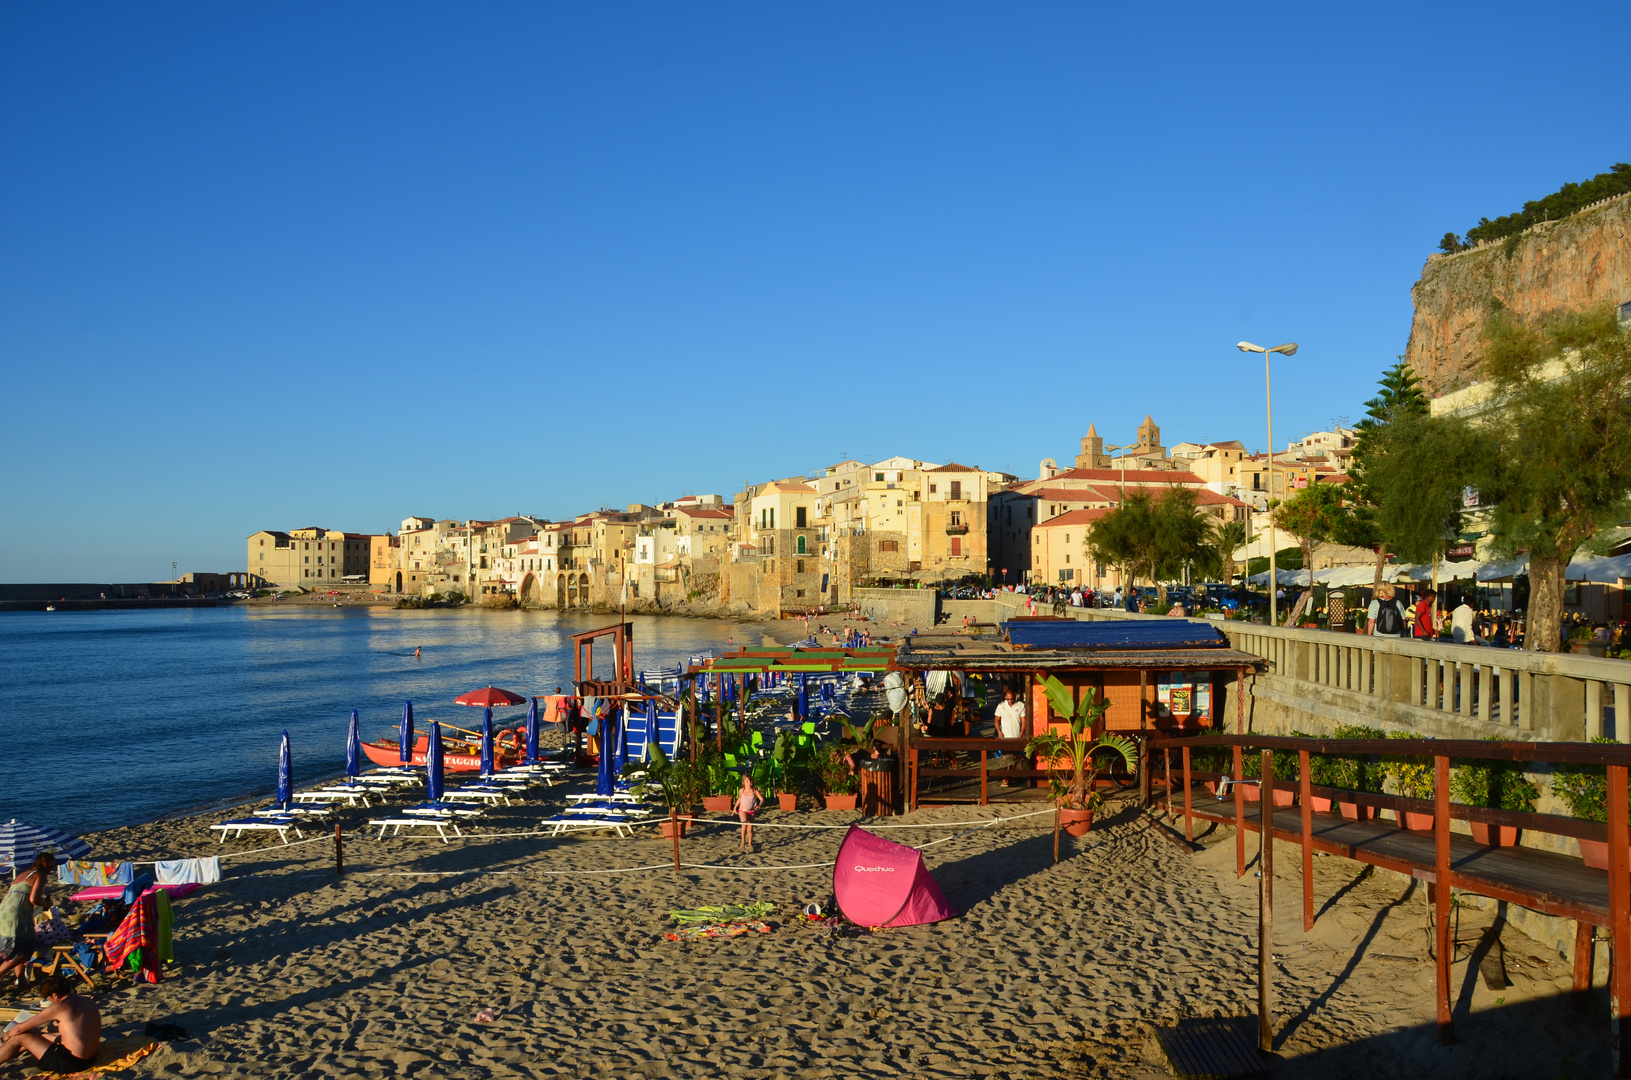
{"type": "Point", "coordinates": [120, 716]}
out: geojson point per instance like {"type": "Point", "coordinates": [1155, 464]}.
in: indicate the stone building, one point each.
{"type": "Point", "coordinates": [309, 558]}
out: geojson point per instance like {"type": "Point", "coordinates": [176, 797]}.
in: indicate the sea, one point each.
{"type": "Point", "coordinates": [111, 718]}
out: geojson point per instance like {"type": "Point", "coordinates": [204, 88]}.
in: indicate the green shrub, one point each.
{"type": "Point", "coordinates": [1583, 788]}
{"type": "Point", "coordinates": [1358, 773]}
{"type": "Point", "coordinates": [1500, 785]}
{"type": "Point", "coordinates": [1412, 776]}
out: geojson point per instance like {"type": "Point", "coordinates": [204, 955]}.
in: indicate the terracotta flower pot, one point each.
{"type": "Point", "coordinates": [1322, 805]}
{"type": "Point", "coordinates": [1415, 822]}
{"type": "Point", "coordinates": [1211, 787]}
{"type": "Point", "coordinates": [839, 802]}
{"type": "Point", "coordinates": [669, 827]}
{"type": "Point", "coordinates": [717, 804]}
{"type": "Point", "coordinates": [789, 801]}
{"type": "Point", "coordinates": [1284, 796]}
{"type": "Point", "coordinates": [1076, 822]}
{"type": "Point", "coordinates": [1500, 835]}
{"type": "Point", "coordinates": [1355, 812]}
{"type": "Point", "coordinates": [1594, 853]}
{"type": "Point", "coordinates": [1251, 792]}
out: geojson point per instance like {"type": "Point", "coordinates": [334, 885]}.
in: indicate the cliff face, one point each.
{"type": "Point", "coordinates": [1583, 259]}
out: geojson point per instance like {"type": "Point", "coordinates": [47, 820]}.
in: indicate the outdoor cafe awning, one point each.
{"type": "Point", "coordinates": [814, 661]}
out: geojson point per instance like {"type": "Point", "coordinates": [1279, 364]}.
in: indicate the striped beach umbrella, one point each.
{"type": "Point", "coordinates": [20, 842]}
{"type": "Point", "coordinates": [353, 749]}
{"type": "Point", "coordinates": [433, 763]}
{"type": "Point", "coordinates": [532, 730]}
{"type": "Point", "coordinates": [486, 742]}
{"type": "Point", "coordinates": [405, 743]}
{"type": "Point", "coordinates": [285, 774]}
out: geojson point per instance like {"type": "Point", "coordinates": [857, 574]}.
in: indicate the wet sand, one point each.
{"type": "Point", "coordinates": [285, 970]}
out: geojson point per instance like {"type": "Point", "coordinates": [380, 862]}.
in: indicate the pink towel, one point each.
{"type": "Point", "coordinates": [104, 892]}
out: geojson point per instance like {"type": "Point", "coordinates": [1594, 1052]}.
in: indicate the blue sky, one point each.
{"type": "Point", "coordinates": [265, 266]}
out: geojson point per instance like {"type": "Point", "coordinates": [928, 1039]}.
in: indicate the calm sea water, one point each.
{"type": "Point", "coordinates": [111, 718]}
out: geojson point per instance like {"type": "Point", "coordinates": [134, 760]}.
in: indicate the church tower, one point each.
{"type": "Point", "coordinates": [1092, 455]}
{"type": "Point", "coordinates": [1149, 439]}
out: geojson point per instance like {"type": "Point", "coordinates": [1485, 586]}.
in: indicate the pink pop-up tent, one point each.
{"type": "Point", "coordinates": [881, 883]}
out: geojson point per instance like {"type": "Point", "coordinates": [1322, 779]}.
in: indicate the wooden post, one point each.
{"type": "Point", "coordinates": [1056, 832]}
{"type": "Point", "coordinates": [1441, 895]}
{"type": "Point", "coordinates": [984, 776]}
{"type": "Point", "coordinates": [1240, 818]}
{"type": "Point", "coordinates": [1305, 797]}
{"type": "Point", "coordinates": [1265, 907]}
{"type": "Point", "coordinates": [1619, 914]}
{"type": "Point", "coordinates": [694, 713]}
{"type": "Point", "coordinates": [1166, 769]}
{"type": "Point", "coordinates": [719, 715]}
{"type": "Point", "coordinates": [1584, 944]}
{"type": "Point", "coordinates": [1189, 817]}
{"type": "Point", "coordinates": [674, 830]}
{"type": "Point", "coordinates": [339, 852]}
{"type": "Point", "coordinates": [1240, 701]}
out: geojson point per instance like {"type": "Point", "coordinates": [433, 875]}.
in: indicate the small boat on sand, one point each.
{"type": "Point", "coordinates": [509, 748]}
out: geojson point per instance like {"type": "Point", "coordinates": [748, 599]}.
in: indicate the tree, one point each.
{"type": "Point", "coordinates": [1400, 398]}
{"type": "Point", "coordinates": [1229, 538]}
{"type": "Point", "coordinates": [1450, 244]}
{"type": "Point", "coordinates": [1154, 537]}
{"type": "Point", "coordinates": [1560, 430]}
{"type": "Point", "coordinates": [1312, 515]}
{"type": "Point", "coordinates": [1417, 468]}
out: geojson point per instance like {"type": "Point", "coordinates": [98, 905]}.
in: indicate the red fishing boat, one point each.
{"type": "Point", "coordinates": [459, 754]}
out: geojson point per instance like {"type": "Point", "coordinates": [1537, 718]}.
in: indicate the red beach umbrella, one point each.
{"type": "Point", "coordinates": [489, 698]}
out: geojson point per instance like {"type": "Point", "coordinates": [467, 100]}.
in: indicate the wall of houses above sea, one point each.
{"type": "Point", "coordinates": [803, 543]}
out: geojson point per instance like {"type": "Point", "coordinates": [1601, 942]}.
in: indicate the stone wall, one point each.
{"type": "Point", "coordinates": [911, 608]}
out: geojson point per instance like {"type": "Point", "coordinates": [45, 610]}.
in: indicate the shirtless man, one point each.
{"type": "Point", "coordinates": [79, 1031]}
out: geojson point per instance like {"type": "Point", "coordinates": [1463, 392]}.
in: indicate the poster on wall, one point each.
{"type": "Point", "coordinates": [1181, 697]}
{"type": "Point", "coordinates": [1163, 689]}
{"type": "Point", "coordinates": [1203, 694]}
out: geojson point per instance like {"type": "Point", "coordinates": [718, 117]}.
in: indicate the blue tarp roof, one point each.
{"type": "Point", "coordinates": [1116, 634]}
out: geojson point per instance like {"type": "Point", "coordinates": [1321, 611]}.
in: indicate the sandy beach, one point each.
{"type": "Point", "coordinates": [283, 969]}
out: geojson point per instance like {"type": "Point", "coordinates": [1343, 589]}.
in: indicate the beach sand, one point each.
{"type": "Point", "coordinates": [1049, 971]}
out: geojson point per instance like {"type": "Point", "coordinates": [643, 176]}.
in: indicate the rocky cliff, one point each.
{"type": "Point", "coordinates": [1575, 262]}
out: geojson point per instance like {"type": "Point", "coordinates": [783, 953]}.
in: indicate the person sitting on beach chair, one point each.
{"type": "Point", "coordinates": [79, 1030]}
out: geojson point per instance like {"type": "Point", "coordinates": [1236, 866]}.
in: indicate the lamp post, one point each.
{"type": "Point", "coordinates": [1121, 500]}
{"type": "Point", "coordinates": [1288, 349]}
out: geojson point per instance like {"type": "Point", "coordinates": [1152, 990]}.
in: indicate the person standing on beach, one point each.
{"type": "Point", "coordinates": [17, 942]}
{"type": "Point", "coordinates": [79, 1031]}
{"type": "Point", "coordinates": [747, 801]}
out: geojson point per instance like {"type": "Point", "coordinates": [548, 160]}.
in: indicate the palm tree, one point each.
{"type": "Point", "coordinates": [1230, 537]}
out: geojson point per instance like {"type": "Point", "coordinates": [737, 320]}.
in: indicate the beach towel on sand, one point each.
{"type": "Point", "coordinates": [187, 871]}
{"type": "Point", "coordinates": [718, 930]}
{"type": "Point", "coordinates": [115, 1054]}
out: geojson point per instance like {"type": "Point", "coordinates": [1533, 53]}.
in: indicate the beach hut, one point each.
{"type": "Point", "coordinates": [878, 882]}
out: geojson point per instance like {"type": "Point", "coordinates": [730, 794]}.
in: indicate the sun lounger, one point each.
{"type": "Point", "coordinates": [621, 797]}
{"type": "Point", "coordinates": [409, 777]}
{"type": "Point", "coordinates": [445, 809]}
{"type": "Point", "coordinates": [482, 793]}
{"type": "Point", "coordinates": [610, 809]}
{"type": "Point", "coordinates": [565, 823]}
{"type": "Point", "coordinates": [351, 793]}
{"type": "Point", "coordinates": [238, 826]}
{"type": "Point", "coordinates": [320, 810]}
{"type": "Point", "coordinates": [397, 824]}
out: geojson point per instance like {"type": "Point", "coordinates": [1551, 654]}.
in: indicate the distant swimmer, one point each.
{"type": "Point", "coordinates": [416, 654]}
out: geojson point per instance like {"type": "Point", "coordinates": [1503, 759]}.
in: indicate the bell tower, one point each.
{"type": "Point", "coordinates": [1092, 455]}
{"type": "Point", "coordinates": [1149, 439]}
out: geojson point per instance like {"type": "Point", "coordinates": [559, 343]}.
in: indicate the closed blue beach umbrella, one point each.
{"type": "Point", "coordinates": [532, 730]}
{"type": "Point", "coordinates": [353, 749]}
{"type": "Point", "coordinates": [406, 744]}
{"type": "Point", "coordinates": [433, 763]}
{"type": "Point", "coordinates": [604, 782]}
{"type": "Point", "coordinates": [804, 695]}
{"type": "Point", "coordinates": [730, 689]}
{"type": "Point", "coordinates": [486, 742]}
{"type": "Point", "coordinates": [285, 774]}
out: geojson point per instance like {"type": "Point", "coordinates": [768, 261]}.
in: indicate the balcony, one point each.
{"type": "Point", "coordinates": [956, 530]}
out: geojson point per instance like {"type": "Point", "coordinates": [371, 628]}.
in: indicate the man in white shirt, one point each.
{"type": "Point", "coordinates": [1010, 717]}
{"type": "Point", "coordinates": [1461, 624]}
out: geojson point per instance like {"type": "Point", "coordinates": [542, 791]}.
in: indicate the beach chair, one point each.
{"type": "Point", "coordinates": [609, 808]}
{"type": "Point", "coordinates": [565, 823]}
{"type": "Point", "coordinates": [488, 793]}
{"type": "Point", "coordinates": [638, 734]}
{"type": "Point", "coordinates": [397, 824]}
{"type": "Point", "coordinates": [621, 797]}
{"type": "Point", "coordinates": [395, 775]}
{"type": "Point", "coordinates": [320, 810]}
{"type": "Point", "coordinates": [445, 809]}
{"type": "Point", "coordinates": [238, 826]}
{"type": "Point", "coordinates": [351, 793]}
{"type": "Point", "coordinates": [668, 733]}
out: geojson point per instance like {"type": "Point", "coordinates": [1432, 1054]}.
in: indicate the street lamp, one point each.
{"type": "Point", "coordinates": [1121, 463]}
{"type": "Point", "coordinates": [1288, 349]}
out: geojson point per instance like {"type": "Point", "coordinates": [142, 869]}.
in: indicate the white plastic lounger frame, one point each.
{"type": "Point", "coordinates": [350, 795]}
{"type": "Point", "coordinates": [397, 824]}
{"type": "Point", "coordinates": [616, 797]}
{"type": "Point", "coordinates": [321, 810]}
{"type": "Point", "coordinates": [560, 825]}
{"type": "Point", "coordinates": [238, 827]}
{"type": "Point", "coordinates": [483, 794]}
{"type": "Point", "coordinates": [445, 810]}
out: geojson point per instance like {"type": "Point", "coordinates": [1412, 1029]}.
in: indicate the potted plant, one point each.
{"type": "Point", "coordinates": [839, 785]}
{"type": "Point", "coordinates": [1070, 754]}
{"type": "Point", "coordinates": [1323, 771]}
{"type": "Point", "coordinates": [1500, 785]}
{"type": "Point", "coordinates": [1413, 779]}
{"type": "Point", "coordinates": [1584, 790]}
{"type": "Point", "coordinates": [788, 770]}
{"type": "Point", "coordinates": [1358, 773]}
{"type": "Point", "coordinates": [716, 782]}
{"type": "Point", "coordinates": [676, 783]}
{"type": "Point", "coordinates": [1580, 641]}
{"type": "Point", "coordinates": [1285, 776]}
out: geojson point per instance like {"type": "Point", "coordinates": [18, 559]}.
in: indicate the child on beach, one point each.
{"type": "Point", "coordinates": [747, 801]}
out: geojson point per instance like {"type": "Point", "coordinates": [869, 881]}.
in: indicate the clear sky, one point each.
{"type": "Point", "coordinates": [273, 265]}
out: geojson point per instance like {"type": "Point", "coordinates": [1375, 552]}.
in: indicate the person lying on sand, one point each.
{"type": "Point", "coordinates": [79, 1031]}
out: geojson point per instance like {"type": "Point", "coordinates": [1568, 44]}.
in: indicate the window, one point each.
{"type": "Point", "coordinates": [1067, 560]}
{"type": "Point", "coordinates": [878, 477]}
{"type": "Point", "coordinates": [957, 519]}
{"type": "Point", "coordinates": [931, 489]}
{"type": "Point", "coordinates": [306, 557]}
{"type": "Point", "coordinates": [888, 545]}
{"type": "Point", "coordinates": [1066, 575]}
{"type": "Point", "coordinates": [957, 489]}
{"type": "Point", "coordinates": [801, 592]}
{"type": "Point", "coordinates": [801, 545]}
{"type": "Point", "coordinates": [798, 567]}
{"type": "Point", "coordinates": [798, 517]}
